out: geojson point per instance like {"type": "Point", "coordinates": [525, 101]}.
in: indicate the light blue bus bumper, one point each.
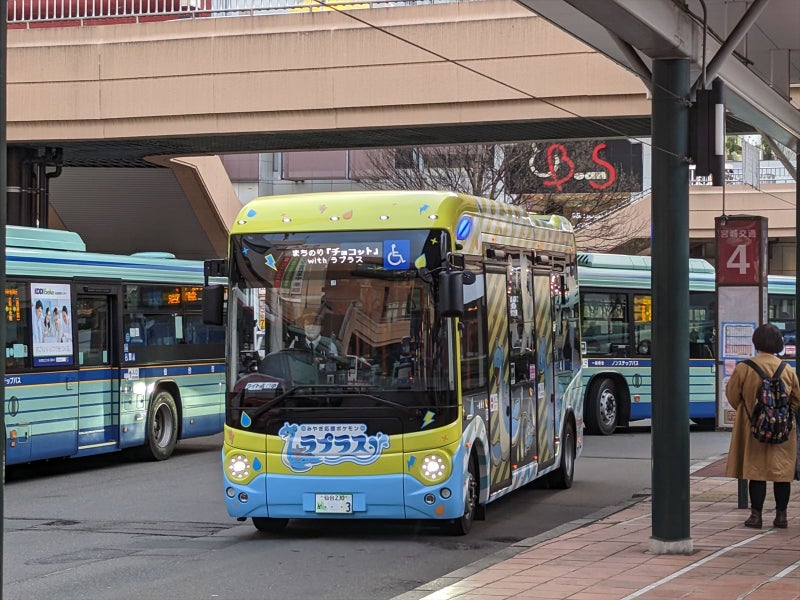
{"type": "Point", "coordinates": [374, 497]}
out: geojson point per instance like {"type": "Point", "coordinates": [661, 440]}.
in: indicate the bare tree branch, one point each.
{"type": "Point", "coordinates": [515, 173]}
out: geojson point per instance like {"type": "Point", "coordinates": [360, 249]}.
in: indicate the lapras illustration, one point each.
{"type": "Point", "coordinates": [311, 444]}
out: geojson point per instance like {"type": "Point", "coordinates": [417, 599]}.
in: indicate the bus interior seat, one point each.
{"type": "Point", "coordinates": [700, 350]}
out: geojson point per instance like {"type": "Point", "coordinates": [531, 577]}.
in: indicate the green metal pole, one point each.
{"type": "Point", "coordinates": [670, 248]}
{"type": "Point", "coordinates": [3, 219]}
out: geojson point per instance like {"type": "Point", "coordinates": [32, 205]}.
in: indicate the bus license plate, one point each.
{"type": "Point", "coordinates": [334, 503]}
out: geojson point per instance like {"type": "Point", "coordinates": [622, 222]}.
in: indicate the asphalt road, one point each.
{"type": "Point", "coordinates": [112, 528]}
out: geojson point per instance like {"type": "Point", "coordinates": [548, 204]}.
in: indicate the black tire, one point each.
{"type": "Point", "coordinates": [602, 408]}
{"type": "Point", "coordinates": [161, 434]}
{"type": "Point", "coordinates": [563, 476]}
{"type": "Point", "coordinates": [268, 525]}
{"type": "Point", "coordinates": [463, 524]}
{"type": "Point", "coordinates": [706, 424]}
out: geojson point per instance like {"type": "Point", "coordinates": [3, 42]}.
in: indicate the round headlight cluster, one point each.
{"type": "Point", "coordinates": [434, 467]}
{"type": "Point", "coordinates": [238, 467]}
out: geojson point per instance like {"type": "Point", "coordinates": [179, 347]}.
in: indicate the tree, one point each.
{"type": "Point", "coordinates": [467, 169]}
{"type": "Point", "coordinates": [733, 147]}
{"type": "Point", "coordinates": [567, 180]}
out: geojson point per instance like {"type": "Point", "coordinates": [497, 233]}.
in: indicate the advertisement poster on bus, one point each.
{"type": "Point", "coordinates": [52, 324]}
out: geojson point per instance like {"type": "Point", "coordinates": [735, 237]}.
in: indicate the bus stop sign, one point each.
{"type": "Point", "coordinates": [739, 250]}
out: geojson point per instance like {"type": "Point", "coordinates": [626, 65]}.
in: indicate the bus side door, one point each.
{"type": "Point", "coordinates": [522, 362]}
{"type": "Point", "coordinates": [98, 370]}
{"type": "Point", "coordinates": [545, 375]}
{"type": "Point", "coordinates": [499, 392]}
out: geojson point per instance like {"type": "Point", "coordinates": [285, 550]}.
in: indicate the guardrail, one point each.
{"type": "Point", "coordinates": [62, 13]}
{"type": "Point", "coordinates": [735, 176]}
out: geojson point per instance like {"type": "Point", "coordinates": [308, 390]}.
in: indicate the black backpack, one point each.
{"type": "Point", "coordinates": [771, 421]}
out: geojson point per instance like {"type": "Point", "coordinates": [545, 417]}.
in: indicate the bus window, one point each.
{"type": "Point", "coordinates": [643, 323]}
{"type": "Point", "coordinates": [473, 341]}
{"type": "Point", "coordinates": [702, 324]}
{"type": "Point", "coordinates": [157, 317]}
{"type": "Point", "coordinates": [18, 309]}
{"type": "Point", "coordinates": [605, 323]}
{"type": "Point", "coordinates": [782, 314]}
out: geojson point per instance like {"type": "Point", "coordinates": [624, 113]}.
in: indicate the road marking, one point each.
{"type": "Point", "coordinates": [693, 566]}
{"type": "Point", "coordinates": [775, 577]}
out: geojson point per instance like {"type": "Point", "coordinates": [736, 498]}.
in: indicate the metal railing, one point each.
{"type": "Point", "coordinates": [54, 13]}
{"type": "Point", "coordinates": [735, 176]}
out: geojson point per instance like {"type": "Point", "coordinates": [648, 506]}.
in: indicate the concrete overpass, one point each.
{"type": "Point", "coordinates": [467, 72]}
{"type": "Point", "coordinates": [122, 96]}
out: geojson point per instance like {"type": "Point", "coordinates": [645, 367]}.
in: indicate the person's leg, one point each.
{"type": "Point", "coordinates": [758, 492]}
{"type": "Point", "coordinates": [782, 490]}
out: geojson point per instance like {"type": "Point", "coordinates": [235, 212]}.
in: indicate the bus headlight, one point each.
{"type": "Point", "coordinates": [241, 466]}
{"type": "Point", "coordinates": [238, 467]}
{"type": "Point", "coordinates": [435, 467]}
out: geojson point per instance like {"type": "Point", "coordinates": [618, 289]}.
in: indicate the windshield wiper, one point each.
{"type": "Point", "coordinates": [327, 390]}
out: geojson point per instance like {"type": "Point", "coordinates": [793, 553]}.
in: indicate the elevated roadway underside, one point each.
{"type": "Point", "coordinates": [120, 96]}
{"type": "Point", "coordinates": [489, 71]}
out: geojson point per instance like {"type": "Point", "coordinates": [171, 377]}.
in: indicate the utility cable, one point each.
{"type": "Point", "coordinates": [351, 14]}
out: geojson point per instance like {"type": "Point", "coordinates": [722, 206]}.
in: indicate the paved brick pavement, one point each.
{"type": "Point", "coordinates": [607, 557]}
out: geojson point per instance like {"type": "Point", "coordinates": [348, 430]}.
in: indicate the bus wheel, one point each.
{"type": "Point", "coordinates": [706, 424]}
{"type": "Point", "coordinates": [162, 427]}
{"type": "Point", "coordinates": [562, 477]}
{"type": "Point", "coordinates": [463, 524]}
{"type": "Point", "coordinates": [268, 525]}
{"type": "Point", "coordinates": [602, 411]}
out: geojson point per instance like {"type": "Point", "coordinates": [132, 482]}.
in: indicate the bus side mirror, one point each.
{"type": "Point", "coordinates": [213, 302]}
{"type": "Point", "coordinates": [451, 293]}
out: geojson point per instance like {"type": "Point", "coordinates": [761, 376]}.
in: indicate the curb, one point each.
{"type": "Point", "coordinates": [515, 548]}
{"type": "Point", "coordinates": [479, 565]}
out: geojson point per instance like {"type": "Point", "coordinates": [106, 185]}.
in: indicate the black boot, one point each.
{"type": "Point", "coordinates": [780, 519]}
{"type": "Point", "coordinates": [754, 520]}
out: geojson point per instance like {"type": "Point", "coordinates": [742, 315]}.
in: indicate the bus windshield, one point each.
{"type": "Point", "coordinates": [337, 313]}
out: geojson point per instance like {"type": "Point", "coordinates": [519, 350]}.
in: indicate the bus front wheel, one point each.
{"type": "Point", "coordinates": [268, 525]}
{"type": "Point", "coordinates": [162, 427]}
{"type": "Point", "coordinates": [602, 410]}
{"type": "Point", "coordinates": [463, 524]}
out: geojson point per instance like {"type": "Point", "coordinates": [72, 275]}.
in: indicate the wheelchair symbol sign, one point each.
{"type": "Point", "coordinates": [396, 254]}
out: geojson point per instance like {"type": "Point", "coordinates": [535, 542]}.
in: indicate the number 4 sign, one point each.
{"type": "Point", "coordinates": [741, 258]}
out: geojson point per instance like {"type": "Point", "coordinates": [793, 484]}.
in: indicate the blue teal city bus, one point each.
{"type": "Point", "coordinates": [616, 328]}
{"type": "Point", "coordinates": [397, 355]}
{"type": "Point", "coordinates": [105, 352]}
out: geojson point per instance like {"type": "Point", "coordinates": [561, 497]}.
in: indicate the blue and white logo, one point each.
{"type": "Point", "coordinates": [396, 254]}
{"type": "Point", "coordinates": [309, 444]}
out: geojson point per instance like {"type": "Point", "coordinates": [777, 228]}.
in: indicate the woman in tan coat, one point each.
{"type": "Point", "coordinates": [748, 458]}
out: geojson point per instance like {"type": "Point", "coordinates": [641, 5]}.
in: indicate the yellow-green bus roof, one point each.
{"type": "Point", "coordinates": [366, 210]}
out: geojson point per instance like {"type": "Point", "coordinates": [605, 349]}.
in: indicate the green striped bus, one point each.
{"type": "Point", "coordinates": [105, 352]}
{"type": "Point", "coordinates": [616, 327]}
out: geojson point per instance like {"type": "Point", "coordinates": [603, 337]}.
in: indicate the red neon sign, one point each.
{"type": "Point", "coordinates": [562, 174]}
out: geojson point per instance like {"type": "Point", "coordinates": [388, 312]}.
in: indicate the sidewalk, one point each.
{"type": "Point", "coordinates": [608, 558]}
